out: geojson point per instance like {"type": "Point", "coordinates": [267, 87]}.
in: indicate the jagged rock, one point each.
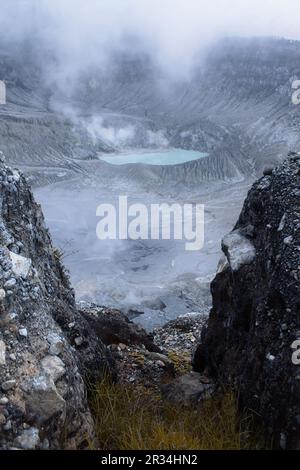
{"type": "Point", "coordinates": [56, 344]}
{"type": "Point", "coordinates": [43, 400]}
{"type": "Point", "coordinates": [20, 265]}
{"type": "Point", "coordinates": [188, 389]}
{"type": "Point", "coordinates": [238, 250]}
{"type": "Point", "coordinates": [54, 367]}
{"type": "Point", "coordinates": [36, 308]}
{"type": "Point", "coordinates": [78, 341]}
{"type": "Point", "coordinates": [256, 307]}
{"type": "Point", "coordinates": [113, 327]}
{"type": "Point", "coordinates": [23, 332]}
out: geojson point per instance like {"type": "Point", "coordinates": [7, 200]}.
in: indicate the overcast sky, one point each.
{"type": "Point", "coordinates": [84, 31]}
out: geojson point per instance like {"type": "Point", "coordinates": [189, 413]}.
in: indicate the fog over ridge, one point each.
{"type": "Point", "coordinates": [174, 32]}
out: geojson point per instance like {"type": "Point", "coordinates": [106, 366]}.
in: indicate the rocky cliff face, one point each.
{"type": "Point", "coordinates": [255, 317]}
{"type": "Point", "coordinates": [46, 346]}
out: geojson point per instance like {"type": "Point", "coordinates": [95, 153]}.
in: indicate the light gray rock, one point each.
{"type": "Point", "coordinates": [2, 353]}
{"type": "Point", "coordinates": [2, 295]}
{"type": "Point", "coordinates": [23, 332]}
{"type": "Point", "coordinates": [20, 265]}
{"type": "Point", "coordinates": [10, 283]}
{"type": "Point", "coordinates": [54, 367]}
{"type": "Point", "coordinates": [43, 399]}
{"type": "Point", "coordinates": [29, 439]}
{"type": "Point", "coordinates": [8, 385]}
{"type": "Point", "coordinates": [238, 250]}
{"type": "Point", "coordinates": [56, 344]}
{"type": "Point", "coordinates": [79, 341]}
{"type": "Point", "coordinates": [282, 223]}
{"type": "Point", "coordinates": [288, 240]}
{"type": "Point", "coordinates": [222, 265]}
{"type": "Point", "coordinates": [7, 426]}
{"type": "Point", "coordinates": [12, 316]}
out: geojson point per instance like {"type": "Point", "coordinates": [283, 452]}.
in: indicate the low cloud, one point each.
{"type": "Point", "coordinates": [82, 34]}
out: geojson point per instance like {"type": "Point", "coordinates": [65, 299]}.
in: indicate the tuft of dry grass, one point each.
{"type": "Point", "coordinates": [128, 417]}
{"type": "Point", "coordinates": [182, 361]}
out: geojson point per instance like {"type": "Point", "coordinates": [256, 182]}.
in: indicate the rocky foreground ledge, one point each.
{"type": "Point", "coordinates": [148, 360]}
{"type": "Point", "coordinates": [255, 318]}
{"type": "Point", "coordinates": [46, 347]}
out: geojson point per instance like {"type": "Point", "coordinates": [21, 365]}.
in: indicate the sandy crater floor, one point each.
{"type": "Point", "coordinates": [152, 280]}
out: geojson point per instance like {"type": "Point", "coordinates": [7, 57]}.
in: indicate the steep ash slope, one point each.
{"type": "Point", "coordinates": [46, 346]}
{"type": "Point", "coordinates": [256, 305]}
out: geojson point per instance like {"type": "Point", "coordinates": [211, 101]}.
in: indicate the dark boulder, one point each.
{"type": "Point", "coordinates": [113, 327]}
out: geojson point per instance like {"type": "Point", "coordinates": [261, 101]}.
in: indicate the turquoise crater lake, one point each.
{"type": "Point", "coordinates": [161, 157]}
